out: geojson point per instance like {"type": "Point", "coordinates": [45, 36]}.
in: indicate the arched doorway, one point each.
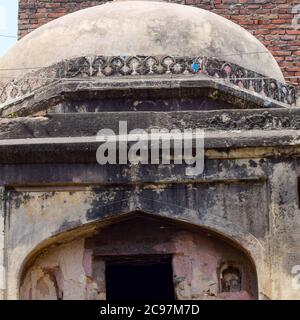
{"type": "Point", "coordinates": [142, 257]}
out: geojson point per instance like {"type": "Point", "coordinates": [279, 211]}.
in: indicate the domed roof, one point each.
{"type": "Point", "coordinates": [128, 28]}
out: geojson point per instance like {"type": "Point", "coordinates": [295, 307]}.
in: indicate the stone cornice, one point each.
{"type": "Point", "coordinates": [88, 124]}
{"type": "Point", "coordinates": [218, 145]}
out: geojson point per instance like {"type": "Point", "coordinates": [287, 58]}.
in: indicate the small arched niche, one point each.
{"type": "Point", "coordinates": [231, 279]}
{"type": "Point", "coordinates": [142, 257]}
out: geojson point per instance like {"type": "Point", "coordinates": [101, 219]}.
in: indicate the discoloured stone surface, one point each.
{"type": "Point", "coordinates": [88, 124]}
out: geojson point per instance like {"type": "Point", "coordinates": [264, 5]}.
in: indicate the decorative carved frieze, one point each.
{"type": "Point", "coordinates": [84, 68]}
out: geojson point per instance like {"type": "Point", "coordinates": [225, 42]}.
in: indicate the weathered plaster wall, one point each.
{"type": "Point", "coordinates": [237, 209]}
{"type": "Point", "coordinates": [74, 271]}
{"type": "Point", "coordinates": [57, 274]}
{"type": "Point", "coordinates": [285, 229]}
{"type": "Point", "coordinates": [253, 202]}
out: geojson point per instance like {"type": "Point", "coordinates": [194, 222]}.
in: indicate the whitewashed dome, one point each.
{"type": "Point", "coordinates": [128, 28]}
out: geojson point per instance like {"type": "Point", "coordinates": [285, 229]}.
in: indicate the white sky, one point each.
{"type": "Point", "coordinates": [8, 24]}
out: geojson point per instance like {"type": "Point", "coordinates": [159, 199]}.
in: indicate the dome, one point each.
{"type": "Point", "coordinates": [128, 28]}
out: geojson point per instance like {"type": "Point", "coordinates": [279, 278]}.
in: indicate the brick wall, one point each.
{"type": "Point", "coordinates": [269, 20]}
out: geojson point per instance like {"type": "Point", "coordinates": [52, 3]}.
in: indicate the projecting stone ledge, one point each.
{"type": "Point", "coordinates": [89, 123]}
{"type": "Point", "coordinates": [222, 145]}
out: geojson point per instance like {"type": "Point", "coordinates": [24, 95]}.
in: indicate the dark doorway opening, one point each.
{"type": "Point", "coordinates": [139, 278]}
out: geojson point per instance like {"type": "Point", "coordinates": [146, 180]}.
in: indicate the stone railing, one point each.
{"type": "Point", "coordinates": [141, 67]}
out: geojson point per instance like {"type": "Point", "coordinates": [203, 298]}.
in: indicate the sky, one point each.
{"type": "Point", "coordinates": [8, 24]}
